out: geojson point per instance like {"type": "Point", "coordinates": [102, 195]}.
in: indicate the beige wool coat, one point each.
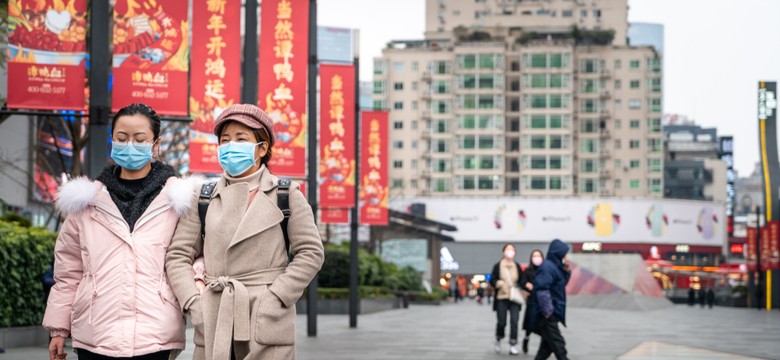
{"type": "Point", "coordinates": [251, 289]}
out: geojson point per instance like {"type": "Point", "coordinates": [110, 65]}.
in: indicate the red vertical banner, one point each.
{"type": "Point", "coordinates": [337, 136]}
{"type": "Point", "coordinates": [47, 51]}
{"type": "Point", "coordinates": [373, 168]}
{"type": "Point", "coordinates": [151, 55]}
{"type": "Point", "coordinates": [216, 76]}
{"type": "Point", "coordinates": [334, 216]}
{"type": "Point", "coordinates": [774, 244]}
{"type": "Point", "coordinates": [750, 242]}
{"type": "Point", "coordinates": [282, 79]}
{"type": "Point", "coordinates": [765, 247]}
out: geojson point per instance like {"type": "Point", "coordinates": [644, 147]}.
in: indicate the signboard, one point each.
{"type": "Point", "coordinates": [751, 243]}
{"type": "Point", "coordinates": [373, 168]}
{"type": "Point", "coordinates": [726, 153]}
{"type": "Point", "coordinates": [576, 220]}
{"type": "Point", "coordinates": [337, 136]}
{"type": "Point", "coordinates": [773, 245]}
{"type": "Point", "coordinates": [47, 52]}
{"type": "Point", "coordinates": [282, 81]}
{"type": "Point", "coordinates": [406, 252]}
{"type": "Point", "coordinates": [216, 76]}
{"type": "Point", "coordinates": [151, 55]}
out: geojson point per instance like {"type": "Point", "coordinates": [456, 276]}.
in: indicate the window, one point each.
{"type": "Point", "coordinates": [654, 145]}
{"type": "Point", "coordinates": [654, 64]}
{"type": "Point", "coordinates": [469, 102]}
{"type": "Point", "coordinates": [556, 122]}
{"type": "Point", "coordinates": [618, 164]}
{"type": "Point", "coordinates": [618, 104]}
{"type": "Point", "coordinates": [398, 183]}
{"type": "Point", "coordinates": [634, 124]}
{"type": "Point", "coordinates": [440, 146]}
{"type": "Point", "coordinates": [470, 162]}
{"type": "Point", "coordinates": [379, 104]}
{"type": "Point", "coordinates": [414, 105]}
{"type": "Point", "coordinates": [588, 146]}
{"type": "Point", "coordinates": [486, 82]}
{"type": "Point", "coordinates": [539, 80]}
{"type": "Point", "coordinates": [556, 60]}
{"type": "Point", "coordinates": [634, 184]}
{"type": "Point", "coordinates": [634, 64]}
{"type": "Point", "coordinates": [617, 184]}
{"type": "Point", "coordinates": [588, 186]}
{"type": "Point", "coordinates": [617, 124]}
{"type": "Point", "coordinates": [398, 164]}
{"type": "Point", "coordinates": [485, 101]}
{"type": "Point", "coordinates": [557, 81]}
{"type": "Point", "coordinates": [398, 86]}
{"type": "Point", "coordinates": [654, 125]}
{"type": "Point", "coordinates": [538, 162]}
{"type": "Point", "coordinates": [633, 144]}
{"type": "Point", "coordinates": [398, 144]}
{"type": "Point", "coordinates": [588, 65]}
{"type": "Point", "coordinates": [441, 87]}
{"type": "Point", "coordinates": [555, 163]}
{"type": "Point", "coordinates": [654, 165]}
{"type": "Point", "coordinates": [468, 122]}
{"type": "Point", "coordinates": [654, 105]}
{"type": "Point", "coordinates": [583, 13]}
{"type": "Point", "coordinates": [634, 104]}
{"type": "Point", "coordinates": [635, 164]}
{"type": "Point", "coordinates": [398, 66]}
{"type": "Point", "coordinates": [441, 107]}
{"type": "Point", "coordinates": [486, 162]}
{"type": "Point", "coordinates": [635, 84]}
{"type": "Point", "coordinates": [469, 183]}
{"type": "Point", "coordinates": [617, 144]}
{"type": "Point", "coordinates": [538, 183]}
{"type": "Point", "coordinates": [486, 61]}
{"type": "Point", "coordinates": [414, 85]}
{"type": "Point", "coordinates": [441, 67]}
{"type": "Point", "coordinates": [469, 81]}
{"type": "Point", "coordinates": [556, 101]}
{"type": "Point", "coordinates": [514, 145]}
{"type": "Point", "coordinates": [538, 101]}
{"type": "Point", "coordinates": [379, 66]}
{"type": "Point", "coordinates": [414, 146]}
{"type": "Point", "coordinates": [469, 142]}
{"type": "Point", "coordinates": [415, 66]}
{"type": "Point", "coordinates": [654, 185]}
{"type": "Point", "coordinates": [487, 182]}
{"type": "Point", "coordinates": [486, 142]}
{"type": "Point", "coordinates": [379, 87]}
{"type": "Point", "coordinates": [654, 84]}
{"type": "Point", "coordinates": [556, 142]}
{"type": "Point", "coordinates": [440, 166]}
{"type": "Point", "coordinates": [414, 164]}
{"type": "Point", "coordinates": [618, 64]}
{"type": "Point", "coordinates": [588, 105]}
{"type": "Point", "coordinates": [538, 142]}
{"type": "Point", "coordinates": [617, 84]}
{"type": "Point", "coordinates": [566, 13]}
{"type": "Point", "coordinates": [597, 13]}
{"type": "Point", "coordinates": [441, 185]}
{"type": "Point", "coordinates": [398, 125]}
{"type": "Point", "coordinates": [588, 85]}
{"type": "Point", "coordinates": [469, 61]}
{"type": "Point", "coordinates": [414, 124]}
{"type": "Point", "coordinates": [398, 105]}
{"type": "Point", "coordinates": [588, 165]}
{"type": "Point", "coordinates": [588, 126]}
{"type": "Point", "coordinates": [538, 122]}
{"type": "Point", "coordinates": [538, 60]}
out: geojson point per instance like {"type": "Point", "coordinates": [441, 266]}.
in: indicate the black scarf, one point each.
{"type": "Point", "coordinates": [132, 204]}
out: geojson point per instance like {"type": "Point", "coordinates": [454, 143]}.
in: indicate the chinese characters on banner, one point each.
{"type": "Point", "coordinates": [774, 245]}
{"type": "Point", "coordinates": [151, 55]}
{"type": "Point", "coordinates": [47, 52]}
{"type": "Point", "coordinates": [764, 251]}
{"type": "Point", "coordinates": [334, 216]}
{"type": "Point", "coordinates": [373, 168]}
{"type": "Point", "coordinates": [337, 136]}
{"type": "Point", "coordinates": [282, 80]}
{"type": "Point", "coordinates": [216, 75]}
{"type": "Point", "coordinates": [750, 242]}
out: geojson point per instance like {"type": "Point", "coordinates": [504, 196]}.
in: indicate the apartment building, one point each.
{"type": "Point", "coordinates": [522, 98]}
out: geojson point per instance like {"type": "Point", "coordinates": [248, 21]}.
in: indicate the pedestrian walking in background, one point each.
{"type": "Point", "coordinates": [480, 294]}
{"type": "Point", "coordinates": [702, 296]}
{"type": "Point", "coordinates": [691, 297]}
{"type": "Point", "coordinates": [247, 310]}
{"type": "Point", "coordinates": [110, 294]}
{"type": "Point", "coordinates": [710, 298]}
{"type": "Point", "coordinates": [548, 301]}
{"type": "Point", "coordinates": [505, 278]}
{"type": "Point", "coordinates": [537, 257]}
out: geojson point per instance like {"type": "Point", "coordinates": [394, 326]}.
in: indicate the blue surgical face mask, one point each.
{"type": "Point", "coordinates": [130, 155]}
{"type": "Point", "coordinates": [237, 157]}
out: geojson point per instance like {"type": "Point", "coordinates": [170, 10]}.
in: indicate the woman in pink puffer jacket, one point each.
{"type": "Point", "coordinates": [112, 294]}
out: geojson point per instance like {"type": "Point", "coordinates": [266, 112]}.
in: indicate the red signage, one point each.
{"type": "Point", "coordinates": [774, 243]}
{"type": "Point", "coordinates": [737, 248]}
{"type": "Point", "coordinates": [282, 80]}
{"type": "Point", "coordinates": [151, 55]}
{"type": "Point", "coordinates": [337, 136]}
{"type": "Point", "coordinates": [750, 242]}
{"type": "Point", "coordinates": [334, 216]}
{"type": "Point", "coordinates": [373, 168]}
{"type": "Point", "coordinates": [216, 76]}
{"type": "Point", "coordinates": [765, 250]}
{"type": "Point", "coordinates": [47, 51]}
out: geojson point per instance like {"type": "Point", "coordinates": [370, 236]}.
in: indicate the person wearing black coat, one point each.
{"type": "Point", "coordinates": [548, 301]}
{"type": "Point", "coordinates": [506, 274]}
{"type": "Point", "coordinates": [710, 298]}
{"type": "Point", "coordinates": [527, 284]}
{"type": "Point", "coordinates": [702, 296]}
{"type": "Point", "coordinates": [691, 297]}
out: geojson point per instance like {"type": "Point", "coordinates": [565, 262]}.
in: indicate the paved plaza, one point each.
{"type": "Point", "coordinates": [465, 331]}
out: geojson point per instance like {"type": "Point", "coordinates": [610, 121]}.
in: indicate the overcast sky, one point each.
{"type": "Point", "coordinates": [715, 53]}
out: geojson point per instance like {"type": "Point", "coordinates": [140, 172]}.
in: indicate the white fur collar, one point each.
{"type": "Point", "coordinates": [75, 195]}
{"type": "Point", "coordinates": [181, 192]}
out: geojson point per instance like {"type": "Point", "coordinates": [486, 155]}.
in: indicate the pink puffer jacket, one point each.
{"type": "Point", "coordinates": [111, 293]}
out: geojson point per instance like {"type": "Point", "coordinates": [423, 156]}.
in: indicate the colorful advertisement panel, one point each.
{"type": "Point", "coordinates": [373, 168]}
{"type": "Point", "coordinates": [337, 136]}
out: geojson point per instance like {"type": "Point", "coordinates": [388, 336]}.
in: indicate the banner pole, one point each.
{"type": "Point", "coordinates": [354, 211]}
{"type": "Point", "coordinates": [250, 70]}
{"type": "Point", "coordinates": [99, 72]}
{"type": "Point", "coordinates": [312, 187]}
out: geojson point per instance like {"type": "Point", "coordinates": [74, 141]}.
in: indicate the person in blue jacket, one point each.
{"type": "Point", "coordinates": [548, 301]}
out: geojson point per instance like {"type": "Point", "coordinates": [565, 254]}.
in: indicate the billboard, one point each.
{"type": "Point", "coordinates": [47, 52]}
{"type": "Point", "coordinates": [603, 220]}
{"type": "Point", "coordinates": [374, 147]}
{"type": "Point", "coordinates": [151, 55]}
{"type": "Point", "coordinates": [337, 136]}
{"type": "Point", "coordinates": [284, 39]}
{"type": "Point", "coordinates": [216, 76]}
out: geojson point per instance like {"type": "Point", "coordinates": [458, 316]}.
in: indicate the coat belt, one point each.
{"type": "Point", "coordinates": [233, 314]}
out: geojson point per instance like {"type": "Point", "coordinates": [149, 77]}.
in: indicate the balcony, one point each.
{"type": "Point", "coordinates": [426, 115]}
{"type": "Point", "coordinates": [604, 73]}
{"type": "Point", "coordinates": [425, 95]}
{"type": "Point", "coordinates": [425, 173]}
{"type": "Point", "coordinates": [604, 94]}
{"type": "Point", "coordinates": [426, 75]}
{"type": "Point", "coordinates": [605, 173]}
{"type": "Point", "coordinates": [605, 114]}
{"type": "Point", "coordinates": [425, 133]}
{"type": "Point", "coordinates": [604, 134]}
{"type": "Point", "coordinates": [604, 153]}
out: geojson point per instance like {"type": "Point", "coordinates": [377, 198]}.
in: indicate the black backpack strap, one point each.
{"type": "Point", "coordinates": [203, 204]}
{"type": "Point", "coordinates": [283, 201]}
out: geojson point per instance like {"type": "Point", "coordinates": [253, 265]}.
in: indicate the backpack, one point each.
{"type": "Point", "coordinates": [282, 200]}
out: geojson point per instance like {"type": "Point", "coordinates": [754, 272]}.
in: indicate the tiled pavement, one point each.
{"type": "Point", "coordinates": [465, 331]}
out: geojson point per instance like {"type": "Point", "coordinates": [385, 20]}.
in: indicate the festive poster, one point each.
{"type": "Point", "coordinates": [334, 216]}
{"type": "Point", "coordinates": [47, 52]}
{"type": "Point", "coordinates": [373, 168]}
{"type": "Point", "coordinates": [337, 136]}
{"type": "Point", "coordinates": [283, 58]}
{"type": "Point", "coordinates": [765, 250]}
{"type": "Point", "coordinates": [216, 76]}
{"type": "Point", "coordinates": [151, 55]}
{"type": "Point", "coordinates": [774, 244]}
{"type": "Point", "coordinates": [750, 243]}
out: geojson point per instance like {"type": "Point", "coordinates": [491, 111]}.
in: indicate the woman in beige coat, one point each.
{"type": "Point", "coordinates": [247, 309]}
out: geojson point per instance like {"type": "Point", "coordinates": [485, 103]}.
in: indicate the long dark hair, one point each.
{"type": "Point", "coordinates": [531, 258]}
{"type": "Point", "coordinates": [140, 109]}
